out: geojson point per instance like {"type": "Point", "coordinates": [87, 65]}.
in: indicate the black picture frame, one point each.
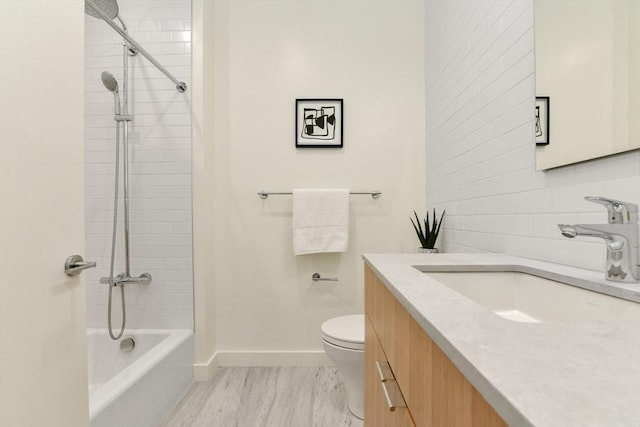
{"type": "Point", "coordinates": [319, 123]}
{"type": "Point", "coordinates": [542, 120]}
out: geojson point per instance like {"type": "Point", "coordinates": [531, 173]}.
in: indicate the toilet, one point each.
{"type": "Point", "coordinates": [343, 341]}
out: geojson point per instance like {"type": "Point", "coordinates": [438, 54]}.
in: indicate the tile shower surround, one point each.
{"type": "Point", "coordinates": [160, 166]}
{"type": "Point", "coordinates": [480, 152]}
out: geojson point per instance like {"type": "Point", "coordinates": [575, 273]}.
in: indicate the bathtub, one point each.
{"type": "Point", "coordinates": [137, 388]}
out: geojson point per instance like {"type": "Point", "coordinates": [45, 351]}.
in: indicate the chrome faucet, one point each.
{"type": "Point", "coordinates": [620, 236]}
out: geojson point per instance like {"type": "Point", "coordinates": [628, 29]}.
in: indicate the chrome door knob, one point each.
{"type": "Point", "coordinates": [75, 264]}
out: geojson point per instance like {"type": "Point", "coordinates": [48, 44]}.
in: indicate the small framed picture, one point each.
{"type": "Point", "coordinates": [319, 123]}
{"type": "Point", "coordinates": [542, 120]}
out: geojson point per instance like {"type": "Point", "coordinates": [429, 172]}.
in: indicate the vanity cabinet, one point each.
{"type": "Point", "coordinates": [436, 393]}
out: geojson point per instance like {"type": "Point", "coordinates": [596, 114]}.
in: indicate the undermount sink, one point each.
{"type": "Point", "coordinates": [525, 297]}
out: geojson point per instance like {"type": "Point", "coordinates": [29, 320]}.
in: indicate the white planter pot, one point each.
{"type": "Point", "coordinates": [428, 251]}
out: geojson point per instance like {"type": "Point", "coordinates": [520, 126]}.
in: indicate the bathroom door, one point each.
{"type": "Point", "coordinates": [43, 364]}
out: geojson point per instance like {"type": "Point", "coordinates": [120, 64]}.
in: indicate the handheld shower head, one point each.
{"type": "Point", "coordinates": [109, 82]}
{"type": "Point", "coordinates": [108, 8]}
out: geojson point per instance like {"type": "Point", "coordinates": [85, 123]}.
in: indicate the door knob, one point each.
{"type": "Point", "coordinates": [75, 264]}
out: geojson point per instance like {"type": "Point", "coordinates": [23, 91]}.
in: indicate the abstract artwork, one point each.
{"type": "Point", "coordinates": [542, 120]}
{"type": "Point", "coordinates": [319, 123]}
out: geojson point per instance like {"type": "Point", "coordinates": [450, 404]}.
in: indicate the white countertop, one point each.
{"type": "Point", "coordinates": [578, 374]}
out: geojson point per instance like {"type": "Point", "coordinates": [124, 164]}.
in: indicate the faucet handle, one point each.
{"type": "Point", "coordinates": [618, 212]}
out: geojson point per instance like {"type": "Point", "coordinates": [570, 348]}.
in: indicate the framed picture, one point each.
{"type": "Point", "coordinates": [542, 120]}
{"type": "Point", "coordinates": [319, 123]}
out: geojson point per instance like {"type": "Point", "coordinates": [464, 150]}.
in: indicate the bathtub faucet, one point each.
{"type": "Point", "coordinates": [620, 236]}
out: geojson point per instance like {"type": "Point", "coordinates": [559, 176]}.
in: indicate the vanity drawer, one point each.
{"type": "Point", "coordinates": [377, 411]}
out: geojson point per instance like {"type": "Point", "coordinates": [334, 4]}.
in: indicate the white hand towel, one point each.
{"type": "Point", "coordinates": [320, 220]}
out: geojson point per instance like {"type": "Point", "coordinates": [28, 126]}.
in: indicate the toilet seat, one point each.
{"type": "Point", "coordinates": [344, 331]}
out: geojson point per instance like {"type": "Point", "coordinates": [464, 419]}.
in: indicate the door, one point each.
{"type": "Point", "coordinates": [43, 366]}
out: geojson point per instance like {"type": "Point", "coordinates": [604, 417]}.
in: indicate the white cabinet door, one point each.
{"type": "Point", "coordinates": [43, 364]}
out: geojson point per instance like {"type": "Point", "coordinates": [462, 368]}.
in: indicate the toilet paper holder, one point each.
{"type": "Point", "coordinates": [316, 278]}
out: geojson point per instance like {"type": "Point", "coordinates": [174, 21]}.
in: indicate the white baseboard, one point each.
{"type": "Point", "coordinates": [272, 358]}
{"type": "Point", "coordinates": [205, 371]}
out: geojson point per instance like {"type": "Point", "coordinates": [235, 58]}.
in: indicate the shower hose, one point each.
{"type": "Point", "coordinates": [113, 249]}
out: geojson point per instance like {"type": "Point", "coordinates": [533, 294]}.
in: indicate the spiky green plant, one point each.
{"type": "Point", "coordinates": [429, 233]}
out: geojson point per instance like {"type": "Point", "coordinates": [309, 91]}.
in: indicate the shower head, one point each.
{"type": "Point", "coordinates": [107, 7]}
{"type": "Point", "coordinates": [109, 82]}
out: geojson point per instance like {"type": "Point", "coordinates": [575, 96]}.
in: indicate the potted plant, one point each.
{"type": "Point", "coordinates": [427, 231]}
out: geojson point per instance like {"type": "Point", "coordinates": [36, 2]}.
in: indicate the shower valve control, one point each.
{"type": "Point", "coordinates": [75, 264]}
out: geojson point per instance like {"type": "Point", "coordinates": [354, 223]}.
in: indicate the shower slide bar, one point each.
{"type": "Point", "coordinates": [265, 194]}
{"type": "Point", "coordinates": [180, 86]}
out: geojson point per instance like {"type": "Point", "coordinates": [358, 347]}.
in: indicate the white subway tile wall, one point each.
{"type": "Point", "coordinates": [480, 152]}
{"type": "Point", "coordinates": [160, 166]}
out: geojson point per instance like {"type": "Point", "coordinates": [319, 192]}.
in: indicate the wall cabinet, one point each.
{"type": "Point", "coordinates": [436, 393]}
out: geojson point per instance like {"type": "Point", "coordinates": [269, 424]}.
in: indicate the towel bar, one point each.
{"type": "Point", "coordinates": [265, 194]}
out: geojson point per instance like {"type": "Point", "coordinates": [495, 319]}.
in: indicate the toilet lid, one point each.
{"type": "Point", "coordinates": [345, 331]}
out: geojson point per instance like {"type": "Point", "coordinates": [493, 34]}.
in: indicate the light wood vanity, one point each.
{"type": "Point", "coordinates": [435, 392]}
{"type": "Point", "coordinates": [456, 362]}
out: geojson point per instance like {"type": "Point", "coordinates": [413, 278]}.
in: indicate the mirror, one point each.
{"type": "Point", "coordinates": [588, 65]}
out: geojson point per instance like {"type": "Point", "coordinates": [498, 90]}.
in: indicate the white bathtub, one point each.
{"type": "Point", "coordinates": [137, 388]}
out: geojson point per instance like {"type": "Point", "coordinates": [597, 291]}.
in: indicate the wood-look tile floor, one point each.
{"type": "Point", "coordinates": [265, 397]}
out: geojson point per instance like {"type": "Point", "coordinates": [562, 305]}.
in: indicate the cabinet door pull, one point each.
{"type": "Point", "coordinates": [393, 395]}
{"type": "Point", "coordinates": [384, 371]}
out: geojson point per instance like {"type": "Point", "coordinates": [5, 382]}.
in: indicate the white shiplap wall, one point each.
{"type": "Point", "coordinates": [480, 154]}
{"type": "Point", "coordinates": [160, 165]}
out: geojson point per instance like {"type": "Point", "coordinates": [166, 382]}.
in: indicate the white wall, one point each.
{"type": "Point", "coordinates": [160, 165]}
{"type": "Point", "coordinates": [209, 122]}
{"type": "Point", "coordinates": [370, 54]}
{"type": "Point", "coordinates": [480, 154]}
